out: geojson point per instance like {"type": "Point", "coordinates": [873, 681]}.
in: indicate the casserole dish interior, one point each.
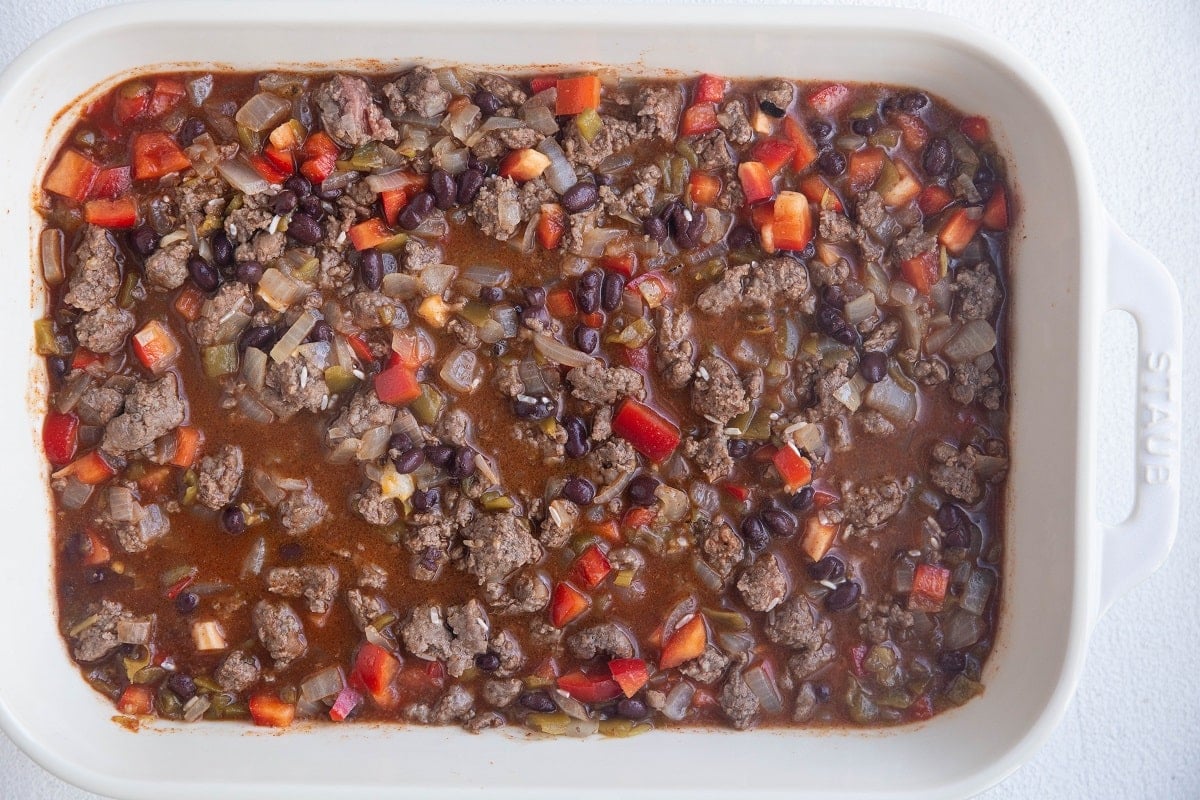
{"type": "Point", "coordinates": [1049, 595]}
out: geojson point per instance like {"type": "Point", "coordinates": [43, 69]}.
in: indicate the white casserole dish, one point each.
{"type": "Point", "coordinates": [1063, 568]}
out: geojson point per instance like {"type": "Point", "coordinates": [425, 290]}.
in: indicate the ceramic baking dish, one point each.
{"type": "Point", "coordinates": [1063, 567]}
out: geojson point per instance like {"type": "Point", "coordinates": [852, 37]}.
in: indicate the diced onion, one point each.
{"type": "Point", "coordinates": [678, 701]}
{"type": "Point", "coordinates": [974, 339]}
{"type": "Point", "coordinates": [374, 443]}
{"type": "Point", "coordinates": [558, 352]}
{"type": "Point", "coordinates": [500, 124]}
{"type": "Point", "coordinates": [849, 396]}
{"type": "Point", "coordinates": [322, 684]}
{"type": "Point", "coordinates": [133, 631]}
{"type": "Point", "coordinates": [615, 163]}
{"type": "Point", "coordinates": [72, 390]}
{"type": "Point", "coordinates": [279, 291]}
{"type": "Point", "coordinates": [673, 503]}
{"type": "Point", "coordinates": [962, 629]}
{"type": "Point", "coordinates": [238, 173]}
{"type": "Point", "coordinates": [596, 240]}
{"type": "Point", "coordinates": [707, 575]}
{"type": "Point", "coordinates": [977, 591]}
{"type": "Point", "coordinates": [735, 641]}
{"type": "Point", "coordinates": [436, 277]}
{"type": "Point", "coordinates": [860, 308]}
{"type": "Point", "coordinates": [254, 410]}
{"type": "Point", "coordinates": [267, 487]}
{"type": "Point", "coordinates": [459, 370]}
{"type": "Point", "coordinates": [453, 160]}
{"type": "Point", "coordinates": [546, 98]}
{"type": "Point", "coordinates": [903, 577]}
{"type": "Point", "coordinates": [570, 706]}
{"type": "Point", "coordinates": [560, 174]}
{"type": "Point", "coordinates": [904, 294]}
{"type": "Point", "coordinates": [540, 118]}
{"type": "Point", "coordinates": [892, 401]}
{"type": "Point", "coordinates": [462, 121]}
{"type": "Point", "coordinates": [264, 110]}
{"type": "Point", "coordinates": [75, 493]}
{"type": "Point", "coordinates": [291, 340]}
{"type": "Point", "coordinates": [508, 212]}
{"type": "Point", "coordinates": [207, 635]}
{"type": "Point", "coordinates": [764, 688]}
{"type": "Point", "coordinates": [252, 564]}
{"type": "Point", "coordinates": [714, 250]}
{"type": "Point", "coordinates": [254, 368]}
{"type": "Point", "coordinates": [388, 181]}
{"type": "Point", "coordinates": [705, 496]}
{"type": "Point", "coordinates": [52, 256]}
{"type": "Point", "coordinates": [528, 239]}
{"type": "Point", "coordinates": [400, 285]}
{"type": "Point", "coordinates": [120, 503]}
{"type": "Point", "coordinates": [195, 708]}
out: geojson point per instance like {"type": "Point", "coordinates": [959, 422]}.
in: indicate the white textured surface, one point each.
{"type": "Point", "coordinates": [1128, 72]}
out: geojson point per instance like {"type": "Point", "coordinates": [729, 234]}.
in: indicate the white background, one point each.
{"type": "Point", "coordinates": [1129, 72]}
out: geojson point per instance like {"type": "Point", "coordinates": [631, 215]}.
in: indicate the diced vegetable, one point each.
{"type": "Point", "coordinates": [591, 568]}
{"type": "Point", "coordinates": [566, 604]}
{"type": "Point", "coordinates": [698, 119]}
{"type": "Point", "coordinates": [995, 212]}
{"type": "Point", "coordinates": [136, 700]}
{"type": "Point", "coordinates": [187, 446]}
{"type": "Point", "coordinates": [589, 689]}
{"type": "Point", "coordinates": [933, 198]}
{"type": "Point", "coordinates": [207, 635]}
{"type": "Point", "coordinates": [552, 224]}
{"type": "Point", "coordinates": [897, 185]}
{"type": "Point", "coordinates": [818, 191]}
{"type": "Point", "coordinates": [650, 433]}
{"type": "Point", "coordinates": [156, 347]}
{"type": "Point", "coordinates": [397, 385]}
{"type": "Point", "coordinates": [156, 154]}
{"type": "Point", "coordinates": [958, 231]}
{"type": "Point", "coordinates": [72, 176]}
{"type": "Point", "coordinates": [685, 643]}
{"type": "Point", "coordinates": [60, 437]}
{"type": "Point", "coordinates": [703, 188]}
{"type": "Point", "coordinates": [929, 587]}
{"type": "Point", "coordinates": [111, 183]}
{"type": "Point", "coordinates": [756, 181]}
{"type": "Point", "coordinates": [795, 469]}
{"type": "Point", "coordinates": [791, 227]}
{"type": "Point", "coordinates": [630, 674]}
{"type": "Point", "coordinates": [864, 166]}
{"type": "Point", "coordinates": [975, 128]}
{"type": "Point", "coordinates": [709, 89]}
{"type": "Point", "coordinates": [577, 94]}
{"type": "Point", "coordinates": [269, 711]}
{"type": "Point", "coordinates": [220, 359]}
{"type": "Point", "coordinates": [524, 164]}
{"type": "Point", "coordinates": [320, 157]}
{"type": "Point", "coordinates": [922, 271]}
{"type": "Point", "coordinates": [375, 234]}
{"type": "Point", "coordinates": [818, 537]}
{"type": "Point", "coordinates": [828, 99]}
{"type": "Point", "coordinates": [347, 701]}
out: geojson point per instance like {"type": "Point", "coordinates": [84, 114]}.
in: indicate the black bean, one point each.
{"type": "Point", "coordinates": [182, 685]}
{"type": "Point", "coordinates": [808, 252]}
{"type": "Point", "coordinates": [985, 182]}
{"type": "Point", "coordinates": [641, 490]}
{"type": "Point", "coordinates": [610, 291]}
{"type": "Point", "coordinates": [469, 183]}
{"type": "Point", "coordinates": [321, 332]}
{"type": "Point", "coordinates": [755, 533]}
{"type": "Point", "coordinates": [738, 448]}
{"type": "Point", "coordinates": [187, 602]}
{"type": "Point", "coordinates": [952, 662]}
{"type": "Point", "coordinates": [602, 178]}
{"type": "Point", "coordinates": [204, 274]}
{"type": "Point", "coordinates": [233, 520]}
{"type": "Point", "coordinates": [820, 130]}
{"type": "Point", "coordinates": [587, 293]}
{"type": "Point", "coordinates": [911, 102]}
{"type": "Point", "coordinates": [191, 129]}
{"type": "Point", "coordinates": [256, 336]}
{"type": "Point", "coordinates": [488, 103]}
{"type": "Point", "coordinates": [847, 335]}
{"type": "Point", "coordinates": [304, 229]}
{"type": "Point", "coordinates": [831, 162]}
{"type": "Point", "coordinates": [463, 465]}
{"type": "Point", "coordinates": [445, 190]}
{"type": "Point", "coordinates": [535, 296]}
{"type": "Point", "coordinates": [370, 269]}
{"type": "Point", "coordinates": [222, 249]}
{"type": "Point", "coordinates": [873, 366]}
{"type": "Point", "coordinates": [408, 461]}
{"type": "Point", "coordinates": [533, 408]}
{"type": "Point", "coordinates": [577, 436]}
{"type": "Point", "coordinates": [587, 339]}
{"type": "Point", "coordinates": [671, 214]}
{"type": "Point", "coordinates": [144, 240]}
{"type": "Point", "coordinates": [329, 194]}
{"type": "Point", "coordinates": [417, 210]}
{"type": "Point", "coordinates": [578, 490]}
{"type": "Point", "coordinates": [770, 109]}
{"type": "Point", "coordinates": [535, 318]}
{"type": "Point", "coordinates": [829, 568]}
{"type": "Point", "coordinates": [843, 597]}
{"type": "Point", "coordinates": [779, 522]}
{"type": "Point", "coordinates": [688, 236]}
{"type": "Point", "coordinates": [803, 499]}
{"type": "Point", "coordinates": [57, 366]}
{"type": "Point", "coordinates": [866, 125]}
{"type": "Point", "coordinates": [285, 202]}
{"type": "Point", "coordinates": [832, 295]}
{"type": "Point", "coordinates": [951, 517]}
{"type": "Point", "coordinates": [938, 157]}
{"type": "Point", "coordinates": [655, 228]}
{"type": "Point", "coordinates": [424, 500]}
{"type": "Point", "coordinates": [398, 443]}
{"type": "Point", "coordinates": [829, 319]}
{"type": "Point", "coordinates": [97, 575]}
{"type": "Point", "coordinates": [249, 272]}
{"type": "Point", "coordinates": [311, 206]}
{"type": "Point", "coordinates": [291, 551]}
{"type": "Point", "coordinates": [580, 197]}
{"type": "Point", "coordinates": [491, 294]}
{"type": "Point", "coordinates": [439, 454]}
{"type": "Point", "coordinates": [537, 700]}
{"type": "Point", "coordinates": [300, 185]}
{"type": "Point", "coordinates": [741, 236]}
{"type": "Point", "coordinates": [631, 708]}
{"type": "Point", "coordinates": [823, 692]}
{"type": "Point", "coordinates": [487, 662]}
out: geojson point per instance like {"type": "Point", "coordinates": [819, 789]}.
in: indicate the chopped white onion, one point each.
{"type": "Point", "coordinates": [238, 173]}
{"type": "Point", "coordinates": [974, 339]}
{"type": "Point", "coordinates": [134, 631]}
{"type": "Point", "coordinates": [860, 308]}
{"type": "Point", "coordinates": [263, 111]}
{"type": "Point", "coordinates": [764, 688]}
{"type": "Point", "coordinates": [892, 401]}
{"type": "Point", "coordinates": [290, 341]}
{"type": "Point", "coordinates": [486, 275]}
{"type": "Point", "coordinates": [904, 294]}
{"type": "Point", "coordinates": [596, 240]}
{"type": "Point", "coordinates": [570, 706]}
{"type": "Point", "coordinates": [120, 503]}
{"type": "Point", "coordinates": [400, 285]}
{"type": "Point", "coordinates": [280, 291]}
{"type": "Point", "coordinates": [558, 352]}
{"type": "Point", "coordinates": [254, 368]}
{"type": "Point", "coordinates": [560, 174]}
{"type": "Point", "coordinates": [459, 370]}
{"type": "Point", "coordinates": [52, 256]}
{"type": "Point", "coordinates": [977, 591]}
{"type": "Point", "coordinates": [735, 641]}
{"type": "Point", "coordinates": [267, 487]}
{"type": "Point", "coordinates": [961, 629]}
{"type": "Point", "coordinates": [374, 443]}
{"type": "Point", "coordinates": [72, 390]}
{"type": "Point", "coordinates": [254, 410]}
{"type": "Point", "coordinates": [678, 701]}
{"type": "Point", "coordinates": [322, 684]}
{"type": "Point", "coordinates": [389, 181]}
{"type": "Point", "coordinates": [252, 564]}
{"type": "Point", "coordinates": [673, 503]}
{"type": "Point", "coordinates": [194, 709]}
{"type": "Point", "coordinates": [707, 575]}
{"type": "Point", "coordinates": [436, 277]}
{"type": "Point", "coordinates": [540, 118]}
{"type": "Point", "coordinates": [75, 493]}
{"type": "Point", "coordinates": [462, 121]}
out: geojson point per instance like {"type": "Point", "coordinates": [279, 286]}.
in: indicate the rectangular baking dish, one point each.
{"type": "Point", "coordinates": [1063, 567]}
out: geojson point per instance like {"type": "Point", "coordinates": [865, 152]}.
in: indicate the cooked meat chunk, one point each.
{"type": "Point", "coordinates": [418, 93]}
{"type": "Point", "coordinates": [675, 353]}
{"type": "Point", "coordinates": [231, 298]}
{"type": "Point", "coordinates": [497, 545]}
{"type": "Point", "coordinates": [954, 472]}
{"type": "Point", "coordinates": [722, 548]}
{"type": "Point", "coordinates": [365, 608]}
{"type": "Point", "coordinates": [969, 383]}
{"type": "Point", "coordinates": [872, 503]}
{"type": "Point", "coordinates": [739, 703]}
{"type": "Point", "coordinates": [456, 705]}
{"type": "Point", "coordinates": [372, 506]}
{"type": "Point", "coordinates": [95, 276]}
{"type": "Point", "coordinates": [318, 585]}
{"type": "Point", "coordinates": [238, 671]}
{"type": "Point", "coordinates": [219, 477]}
{"type": "Point", "coordinates": [757, 285]}
{"type": "Point", "coordinates": [735, 123]}
{"type": "Point", "coordinates": [99, 638]}
{"type": "Point", "coordinates": [502, 693]}
{"type": "Point", "coordinates": [796, 624]}
{"type": "Point", "coordinates": [711, 454]}
{"type": "Point", "coordinates": [497, 208]}
{"type": "Point", "coordinates": [297, 382]}
{"type": "Point", "coordinates": [148, 525]}
{"type": "Point", "coordinates": [658, 112]}
{"type": "Point", "coordinates": [717, 392]}
{"type": "Point", "coordinates": [614, 461]}
{"type": "Point", "coordinates": [99, 404]}
{"type": "Point", "coordinates": [606, 639]}
{"type": "Point", "coordinates": [280, 631]}
{"type": "Point", "coordinates": [470, 625]}
{"type": "Point", "coordinates": [978, 292]}
{"type": "Point", "coordinates": [708, 667]}
{"type": "Point", "coordinates": [349, 114]}
{"type": "Point", "coordinates": [301, 511]}
{"type": "Point", "coordinates": [507, 648]}
{"type": "Point", "coordinates": [151, 409]}
{"type": "Point", "coordinates": [777, 93]}
{"type": "Point", "coordinates": [602, 385]}
{"type": "Point", "coordinates": [166, 268]}
{"type": "Point", "coordinates": [764, 585]}
{"type": "Point", "coordinates": [104, 330]}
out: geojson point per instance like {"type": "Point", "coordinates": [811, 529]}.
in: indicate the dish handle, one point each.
{"type": "Point", "coordinates": [1139, 284]}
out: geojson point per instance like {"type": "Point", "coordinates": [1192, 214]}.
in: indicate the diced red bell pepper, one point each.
{"type": "Point", "coordinates": [566, 604]}
{"type": "Point", "coordinates": [958, 231]}
{"type": "Point", "coordinates": [791, 227]}
{"type": "Point", "coordinates": [794, 468]}
{"type": "Point", "coordinates": [637, 517]}
{"type": "Point", "coordinates": [269, 711]}
{"type": "Point", "coordinates": [620, 257]}
{"type": "Point", "coordinates": [154, 481]}
{"type": "Point", "coordinates": [806, 149]}
{"type": "Point", "coordinates": [630, 674]}
{"type": "Point", "coordinates": [552, 225]}
{"type": "Point", "coordinates": [393, 202]}
{"type": "Point", "coordinates": [137, 700]}
{"type": "Point", "coordinates": [933, 199]}
{"type": "Point", "coordinates": [167, 93]}
{"type": "Point", "coordinates": [975, 128]}
{"type": "Point", "coordinates": [320, 157]}
{"type": "Point", "coordinates": [111, 183]}
{"type": "Point", "coordinates": [709, 89]}
{"type": "Point", "coordinates": [187, 446]}
{"type": "Point", "coordinates": [773, 154]}
{"type": "Point", "coordinates": [929, 586]}
{"type": "Point", "coordinates": [650, 433]}
{"type": "Point", "coordinates": [698, 119]}
{"type": "Point", "coordinates": [156, 347]}
{"type": "Point", "coordinates": [589, 689]}
{"type": "Point", "coordinates": [922, 270]}
{"type": "Point", "coordinates": [282, 160]}
{"type": "Point", "coordinates": [605, 529]}
{"type": "Point", "coordinates": [591, 568]}
{"type": "Point", "coordinates": [361, 348]}
{"type": "Point", "coordinates": [91, 468]}
{"type": "Point", "coordinates": [410, 349]}
{"type": "Point", "coordinates": [858, 654]}
{"type": "Point", "coordinates": [524, 164]}
{"type": "Point", "coordinates": [72, 176]}
{"type": "Point", "coordinates": [818, 191]}
{"type": "Point", "coordinates": [189, 301]}
{"type": "Point", "coordinates": [827, 100]}
{"type": "Point", "coordinates": [685, 643]}
{"type": "Point", "coordinates": [96, 550]}
{"type": "Point", "coordinates": [576, 95]}
{"type": "Point", "coordinates": [703, 188]}
{"type": "Point", "coordinates": [60, 437]}
{"type": "Point", "coordinates": [83, 358]}
{"type": "Point", "coordinates": [131, 101]}
{"type": "Point", "coordinates": [268, 169]}
{"type": "Point", "coordinates": [374, 669]}
{"type": "Point", "coordinates": [344, 705]}
{"type": "Point", "coordinates": [561, 303]}
{"type": "Point", "coordinates": [863, 167]}
{"type": "Point", "coordinates": [913, 132]}
{"type": "Point", "coordinates": [156, 154]}
{"type": "Point", "coordinates": [737, 491]}
{"type": "Point", "coordinates": [116, 214]}
{"type": "Point", "coordinates": [397, 385]}
{"type": "Point", "coordinates": [756, 182]}
{"type": "Point", "coordinates": [762, 214]}
{"type": "Point", "coordinates": [368, 234]}
{"type": "Point", "coordinates": [635, 357]}
{"type": "Point", "coordinates": [995, 211]}
{"type": "Point", "coordinates": [540, 83]}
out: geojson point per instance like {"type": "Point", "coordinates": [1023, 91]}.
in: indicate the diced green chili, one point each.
{"type": "Point", "coordinates": [428, 406]}
{"type": "Point", "coordinates": [589, 123]}
{"type": "Point", "coordinates": [220, 359]}
{"type": "Point", "coordinates": [128, 294]}
{"type": "Point", "coordinates": [46, 339]}
{"type": "Point", "coordinates": [339, 379]}
{"type": "Point", "coordinates": [623, 728]}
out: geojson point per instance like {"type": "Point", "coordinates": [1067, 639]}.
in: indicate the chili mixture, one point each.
{"type": "Point", "coordinates": [579, 402]}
